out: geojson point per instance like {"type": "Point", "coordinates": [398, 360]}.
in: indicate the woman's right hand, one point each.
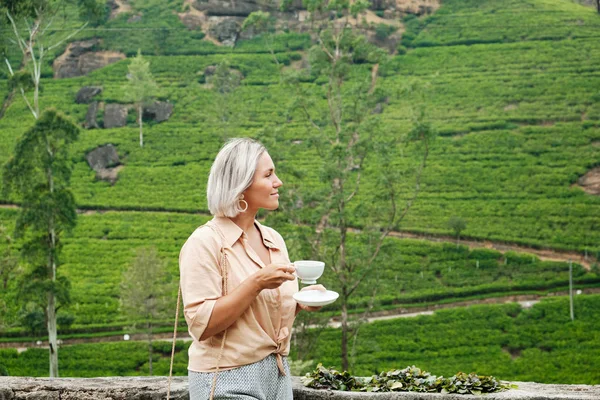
{"type": "Point", "coordinates": [274, 275]}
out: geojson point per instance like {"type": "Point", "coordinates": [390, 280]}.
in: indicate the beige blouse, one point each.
{"type": "Point", "coordinates": [264, 328]}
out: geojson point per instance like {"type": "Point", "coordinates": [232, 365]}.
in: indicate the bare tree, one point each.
{"type": "Point", "coordinates": [33, 49]}
{"type": "Point", "coordinates": [345, 133]}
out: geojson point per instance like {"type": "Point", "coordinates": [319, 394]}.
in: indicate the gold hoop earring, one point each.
{"type": "Point", "coordinates": [245, 204]}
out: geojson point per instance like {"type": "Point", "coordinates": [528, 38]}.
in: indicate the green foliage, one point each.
{"type": "Point", "coordinates": [40, 172]}
{"type": "Point", "coordinates": [259, 21]}
{"type": "Point", "coordinates": [382, 31]}
{"type": "Point", "coordinates": [34, 320]}
{"type": "Point", "coordinates": [142, 87]}
{"type": "Point", "coordinates": [409, 379]}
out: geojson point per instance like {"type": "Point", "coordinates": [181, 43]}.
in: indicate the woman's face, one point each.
{"type": "Point", "coordinates": [262, 193]}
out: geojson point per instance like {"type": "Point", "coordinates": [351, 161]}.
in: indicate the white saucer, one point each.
{"type": "Point", "coordinates": [316, 298]}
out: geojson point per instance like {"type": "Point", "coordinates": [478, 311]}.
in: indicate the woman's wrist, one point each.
{"type": "Point", "coordinates": [254, 282]}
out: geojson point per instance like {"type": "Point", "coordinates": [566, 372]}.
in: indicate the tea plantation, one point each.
{"type": "Point", "coordinates": [511, 87]}
{"type": "Point", "coordinates": [540, 344]}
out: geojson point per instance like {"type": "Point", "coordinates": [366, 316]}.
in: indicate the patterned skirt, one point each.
{"type": "Point", "coordinates": [260, 380]}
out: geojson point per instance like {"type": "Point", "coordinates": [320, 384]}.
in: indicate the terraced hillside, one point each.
{"type": "Point", "coordinates": [412, 272]}
{"type": "Point", "coordinates": [512, 87]}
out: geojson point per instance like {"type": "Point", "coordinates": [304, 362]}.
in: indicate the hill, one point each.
{"type": "Point", "coordinates": [512, 87]}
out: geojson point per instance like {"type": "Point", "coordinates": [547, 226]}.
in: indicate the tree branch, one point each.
{"type": "Point", "coordinates": [68, 37]}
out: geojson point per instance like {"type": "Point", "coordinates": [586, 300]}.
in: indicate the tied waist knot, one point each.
{"type": "Point", "coordinates": [283, 334]}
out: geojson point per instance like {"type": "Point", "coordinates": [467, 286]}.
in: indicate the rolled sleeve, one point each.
{"type": "Point", "coordinates": [201, 282]}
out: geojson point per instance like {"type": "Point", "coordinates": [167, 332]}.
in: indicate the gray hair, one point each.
{"type": "Point", "coordinates": [231, 174]}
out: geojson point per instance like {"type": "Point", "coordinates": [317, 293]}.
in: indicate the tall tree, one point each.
{"type": "Point", "coordinates": [142, 88]}
{"type": "Point", "coordinates": [143, 292]}
{"type": "Point", "coordinates": [39, 174]}
{"type": "Point", "coordinates": [345, 130]}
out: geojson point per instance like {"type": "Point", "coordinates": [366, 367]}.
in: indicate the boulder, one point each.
{"type": "Point", "coordinates": [115, 115]}
{"type": "Point", "coordinates": [159, 111]}
{"type": "Point", "coordinates": [85, 94]}
{"type": "Point", "coordinates": [80, 58]}
{"type": "Point", "coordinates": [90, 117]}
{"type": "Point", "coordinates": [225, 30]}
{"type": "Point", "coordinates": [103, 157]}
{"type": "Point", "coordinates": [89, 62]}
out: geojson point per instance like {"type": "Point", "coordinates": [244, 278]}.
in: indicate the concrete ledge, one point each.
{"type": "Point", "coordinates": [155, 388]}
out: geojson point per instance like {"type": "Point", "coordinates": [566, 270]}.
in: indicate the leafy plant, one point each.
{"type": "Point", "coordinates": [409, 379]}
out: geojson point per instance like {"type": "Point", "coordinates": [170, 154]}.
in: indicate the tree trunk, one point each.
{"type": "Point", "coordinates": [344, 333]}
{"type": "Point", "coordinates": [140, 122]}
{"type": "Point", "coordinates": [598, 5]}
{"type": "Point", "coordinates": [52, 336]}
{"type": "Point", "coordinates": [51, 311]}
{"type": "Point", "coordinates": [150, 348]}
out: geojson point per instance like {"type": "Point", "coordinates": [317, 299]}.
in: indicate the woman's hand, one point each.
{"type": "Point", "coordinates": [274, 275]}
{"type": "Point", "coordinates": [310, 308]}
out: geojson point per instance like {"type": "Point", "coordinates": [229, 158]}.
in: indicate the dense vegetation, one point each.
{"type": "Point", "coordinates": [540, 344]}
{"type": "Point", "coordinates": [410, 272]}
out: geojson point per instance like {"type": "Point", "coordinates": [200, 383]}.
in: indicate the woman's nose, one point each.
{"type": "Point", "coordinates": [277, 182]}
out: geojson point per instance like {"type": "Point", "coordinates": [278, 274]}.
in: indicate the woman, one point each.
{"type": "Point", "coordinates": [237, 284]}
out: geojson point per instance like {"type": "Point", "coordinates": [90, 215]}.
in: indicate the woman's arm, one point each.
{"type": "Point", "coordinates": [229, 308]}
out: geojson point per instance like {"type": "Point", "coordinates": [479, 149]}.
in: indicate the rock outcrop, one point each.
{"type": "Point", "coordinates": [115, 115]}
{"type": "Point", "coordinates": [90, 117]}
{"type": "Point", "coordinates": [159, 111]}
{"type": "Point", "coordinates": [80, 58]}
{"type": "Point", "coordinates": [86, 93]}
{"type": "Point", "coordinates": [226, 29]}
{"type": "Point", "coordinates": [590, 182]}
{"type": "Point", "coordinates": [103, 157]}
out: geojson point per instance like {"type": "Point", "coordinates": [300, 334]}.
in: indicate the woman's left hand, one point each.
{"type": "Point", "coordinates": [310, 308]}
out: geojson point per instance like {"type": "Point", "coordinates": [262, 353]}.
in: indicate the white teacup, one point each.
{"type": "Point", "coordinates": [309, 271]}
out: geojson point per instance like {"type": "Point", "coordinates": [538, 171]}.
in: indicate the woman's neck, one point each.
{"type": "Point", "coordinates": [245, 220]}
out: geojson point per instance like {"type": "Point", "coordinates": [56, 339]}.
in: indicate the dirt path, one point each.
{"type": "Point", "coordinates": [526, 301]}
{"type": "Point", "coordinates": [543, 254]}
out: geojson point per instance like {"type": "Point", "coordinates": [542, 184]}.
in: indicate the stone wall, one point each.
{"type": "Point", "coordinates": [155, 388]}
